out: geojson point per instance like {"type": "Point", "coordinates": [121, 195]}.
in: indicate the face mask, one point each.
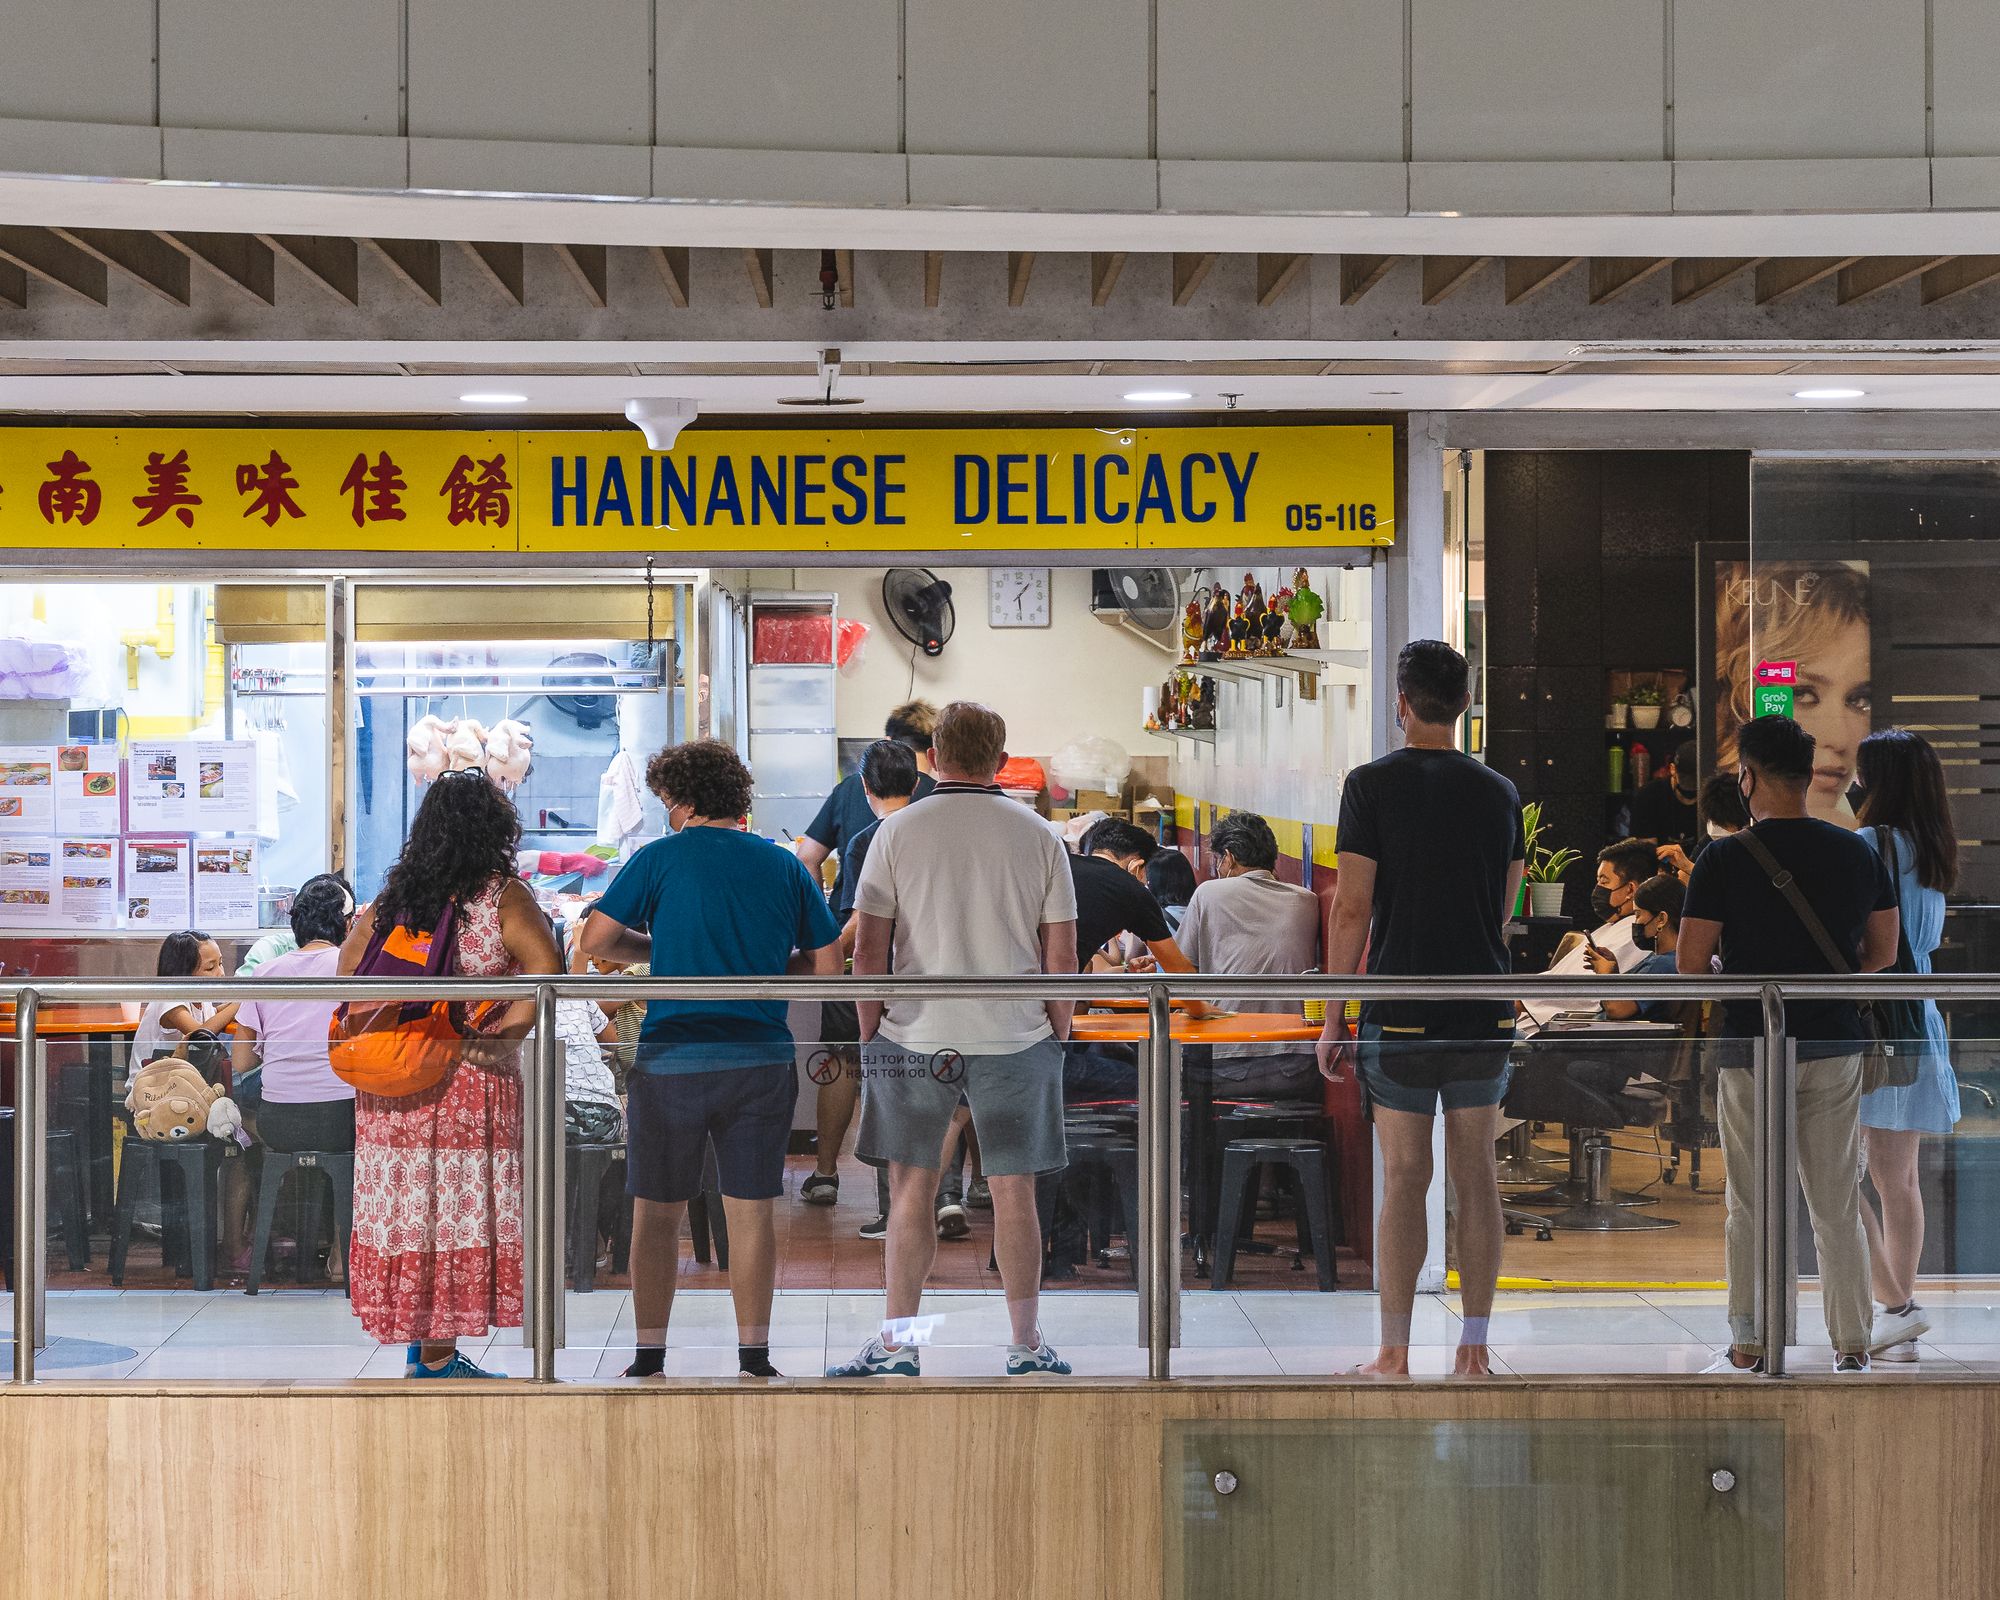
{"type": "Point", "coordinates": [1717, 831]}
{"type": "Point", "coordinates": [1686, 794]}
{"type": "Point", "coordinates": [1642, 937]}
{"type": "Point", "coordinates": [1600, 904]}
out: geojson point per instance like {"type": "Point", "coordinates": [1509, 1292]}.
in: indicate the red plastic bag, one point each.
{"type": "Point", "coordinates": [1022, 772]}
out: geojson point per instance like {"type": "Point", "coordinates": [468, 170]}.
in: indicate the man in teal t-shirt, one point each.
{"type": "Point", "coordinates": [710, 901]}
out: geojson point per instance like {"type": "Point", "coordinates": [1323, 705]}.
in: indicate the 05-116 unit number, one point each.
{"type": "Point", "coordinates": [1311, 519]}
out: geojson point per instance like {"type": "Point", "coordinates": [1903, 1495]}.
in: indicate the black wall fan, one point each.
{"type": "Point", "coordinates": [919, 604]}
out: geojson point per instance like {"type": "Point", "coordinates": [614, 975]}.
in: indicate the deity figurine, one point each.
{"type": "Point", "coordinates": [1272, 623]}
{"type": "Point", "coordinates": [1192, 630]}
{"type": "Point", "coordinates": [1201, 709]}
{"type": "Point", "coordinates": [1215, 633]}
{"type": "Point", "coordinates": [1252, 595]}
{"type": "Point", "coordinates": [1306, 609]}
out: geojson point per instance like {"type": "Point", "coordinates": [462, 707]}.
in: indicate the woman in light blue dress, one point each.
{"type": "Point", "coordinates": [1907, 818]}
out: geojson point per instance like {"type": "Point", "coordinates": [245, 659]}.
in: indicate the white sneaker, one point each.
{"type": "Point", "coordinates": [1890, 1330]}
{"type": "Point", "coordinates": [1906, 1351]}
{"type": "Point", "coordinates": [1726, 1365]}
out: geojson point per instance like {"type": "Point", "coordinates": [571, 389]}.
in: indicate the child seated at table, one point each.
{"type": "Point", "coordinates": [165, 1024]}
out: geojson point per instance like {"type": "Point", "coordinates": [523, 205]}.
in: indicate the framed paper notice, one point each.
{"type": "Point", "coordinates": [27, 788]}
{"type": "Point", "coordinates": [87, 883]}
{"type": "Point", "coordinates": [225, 885]}
{"type": "Point", "coordinates": [193, 786]}
{"type": "Point", "coordinates": [156, 883]}
{"type": "Point", "coordinates": [87, 788]}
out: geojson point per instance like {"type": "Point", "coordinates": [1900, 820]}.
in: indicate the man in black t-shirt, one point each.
{"type": "Point", "coordinates": [1430, 850]}
{"type": "Point", "coordinates": [1735, 904]}
{"type": "Point", "coordinates": [1112, 898]}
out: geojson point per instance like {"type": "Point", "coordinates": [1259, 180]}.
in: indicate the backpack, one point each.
{"type": "Point", "coordinates": [395, 1048]}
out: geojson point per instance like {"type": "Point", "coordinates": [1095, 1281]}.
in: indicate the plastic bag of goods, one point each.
{"type": "Point", "coordinates": [1091, 762]}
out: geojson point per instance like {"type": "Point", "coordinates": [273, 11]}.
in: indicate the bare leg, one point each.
{"type": "Point", "coordinates": [1896, 1242]}
{"type": "Point", "coordinates": [1017, 1248]}
{"type": "Point", "coordinates": [972, 1152]}
{"type": "Point", "coordinates": [236, 1212]}
{"type": "Point", "coordinates": [656, 1265]}
{"type": "Point", "coordinates": [833, 1114]}
{"type": "Point", "coordinates": [959, 1132]}
{"type": "Point", "coordinates": [911, 1243]}
{"type": "Point", "coordinates": [1401, 1234]}
{"type": "Point", "coordinates": [1468, 1152]}
{"type": "Point", "coordinates": [753, 1266]}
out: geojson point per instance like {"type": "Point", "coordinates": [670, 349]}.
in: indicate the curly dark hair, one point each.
{"type": "Point", "coordinates": [704, 773]}
{"type": "Point", "coordinates": [462, 838]}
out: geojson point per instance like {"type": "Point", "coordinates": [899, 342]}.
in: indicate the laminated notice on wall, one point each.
{"type": "Point", "coordinates": [87, 788]}
{"type": "Point", "coordinates": [27, 883]}
{"type": "Point", "coordinates": [156, 883]}
{"type": "Point", "coordinates": [225, 885]}
{"type": "Point", "coordinates": [87, 883]}
{"type": "Point", "coordinates": [193, 786]}
{"type": "Point", "coordinates": [27, 788]}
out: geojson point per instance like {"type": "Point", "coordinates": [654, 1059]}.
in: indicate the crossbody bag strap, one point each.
{"type": "Point", "coordinates": [1787, 885]}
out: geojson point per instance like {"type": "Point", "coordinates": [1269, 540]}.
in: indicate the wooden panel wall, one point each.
{"type": "Point", "coordinates": [980, 1489]}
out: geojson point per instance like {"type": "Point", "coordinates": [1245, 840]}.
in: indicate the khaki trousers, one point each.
{"type": "Point", "coordinates": [1829, 1153]}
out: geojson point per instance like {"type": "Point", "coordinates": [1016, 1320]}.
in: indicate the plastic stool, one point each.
{"type": "Point", "coordinates": [198, 1162]}
{"type": "Point", "coordinates": [589, 1165]}
{"type": "Point", "coordinates": [66, 1197]}
{"type": "Point", "coordinates": [1117, 1159]}
{"type": "Point", "coordinates": [338, 1165]}
{"type": "Point", "coordinates": [1306, 1160]}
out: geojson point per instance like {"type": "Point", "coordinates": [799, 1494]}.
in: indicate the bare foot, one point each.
{"type": "Point", "coordinates": [1472, 1361]}
{"type": "Point", "coordinates": [1390, 1363]}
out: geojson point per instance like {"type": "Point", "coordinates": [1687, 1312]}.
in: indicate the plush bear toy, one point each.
{"type": "Point", "coordinates": [170, 1101]}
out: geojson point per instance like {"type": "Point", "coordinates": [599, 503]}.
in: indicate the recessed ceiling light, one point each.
{"type": "Point", "coordinates": [1828, 394]}
{"type": "Point", "coordinates": [1145, 395]}
{"type": "Point", "coordinates": [493, 399]}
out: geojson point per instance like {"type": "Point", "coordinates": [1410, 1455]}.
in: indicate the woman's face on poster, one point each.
{"type": "Point", "coordinates": [1834, 702]}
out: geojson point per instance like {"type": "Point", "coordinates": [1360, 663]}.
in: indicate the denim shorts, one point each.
{"type": "Point", "coordinates": [670, 1118]}
{"type": "Point", "coordinates": [1405, 1071]}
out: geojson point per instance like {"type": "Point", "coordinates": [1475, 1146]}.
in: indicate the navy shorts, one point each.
{"type": "Point", "coordinates": [1405, 1071]}
{"type": "Point", "coordinates": [671, 1116]}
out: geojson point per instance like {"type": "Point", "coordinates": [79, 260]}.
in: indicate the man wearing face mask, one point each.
{"type": "Point", "coordinates": [1621, 868]}
{"type": "Point", "coordinates": [1665, 810]}
{"type": "Point", "coordinates": [1656, 926]}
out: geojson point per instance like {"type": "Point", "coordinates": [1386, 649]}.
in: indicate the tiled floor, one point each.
{"type": "Point", "coordinates": [312, 1336]}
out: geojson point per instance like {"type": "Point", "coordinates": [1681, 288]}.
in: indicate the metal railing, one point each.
{"type": "Point", "coordinates": [1158, 1247]}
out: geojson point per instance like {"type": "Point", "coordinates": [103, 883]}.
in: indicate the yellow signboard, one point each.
{"type": "Point", "coordinates": [258, 489]}
{"type": "Point", "coordinates": [969, 490]}
{"type": "Point", "coordinates": [783, 491]}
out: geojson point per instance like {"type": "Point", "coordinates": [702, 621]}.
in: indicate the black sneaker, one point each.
{"type": "Point", "coordinates": [877, 1229]}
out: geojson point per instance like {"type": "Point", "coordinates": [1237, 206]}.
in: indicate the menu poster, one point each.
{"type": "Point", "coordinates": [87, 890]}
{"type": "Point", "coordinates": [225, 885]}
{"type": "Point", "coordinates": [225, 787]}
{"type": "Point", "coordinates": [159, 775]}
{"type": "Point", "coordinates": [193, 786]}
{"type": "Point", "coordinates": [27, 883]}
{"type": "Point", "coordinates": [87, 788]}
{"type": "Point", "coordinates": [156, 883]}
{"type": "Point", "coordinates": [27, 788]}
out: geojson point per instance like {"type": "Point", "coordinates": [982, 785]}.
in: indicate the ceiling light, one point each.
{"type": "Point", "coordinates": [1144, 396]}
{"type": "Point", "coordinates": [1828, 394]}
{"type": "Point", "coordinates": [493, 399]}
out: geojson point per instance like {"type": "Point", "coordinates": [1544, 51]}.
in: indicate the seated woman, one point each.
{"type": "Point", "coordinates": [302, 1105]}
{"type": "Point", "coordinates": [1656, 929]}
{"type": "Point", "coordinates": [1170, 875]}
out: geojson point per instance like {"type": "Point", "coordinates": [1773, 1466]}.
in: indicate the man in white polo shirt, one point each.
{"type": "Point", "coordinates": [968, 884]}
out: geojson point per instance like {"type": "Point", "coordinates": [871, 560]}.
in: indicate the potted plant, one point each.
{"type": "Point", "coordinates": [1545, 867]}
{"type": "Point", "coordinates": [1647, 701]}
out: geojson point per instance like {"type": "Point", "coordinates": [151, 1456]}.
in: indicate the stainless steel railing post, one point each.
{"type": "Point", "coordinates": [1772, 1107]}
{"type": "Point", "coordinates": [30, 1146]}
{"type": "Point", "coordinates": [1159, 1180]}
{"type": "Point", "coordinates": [544, 1182]}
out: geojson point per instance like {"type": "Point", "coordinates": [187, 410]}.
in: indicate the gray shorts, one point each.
{"type": "Point", "coordinates": [908, 1096]}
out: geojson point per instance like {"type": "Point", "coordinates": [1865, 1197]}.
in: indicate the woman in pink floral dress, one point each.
{"type": "Point", "coordinates": [436, 1252]}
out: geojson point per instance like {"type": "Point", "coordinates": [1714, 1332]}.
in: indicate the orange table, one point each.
{"type": "Point", "coordinates": [100, 1029]}
{"type": "Point", "coordinates": [1246, 1027]}
{"type": "Point", "coordinates": [1131, 1003]}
